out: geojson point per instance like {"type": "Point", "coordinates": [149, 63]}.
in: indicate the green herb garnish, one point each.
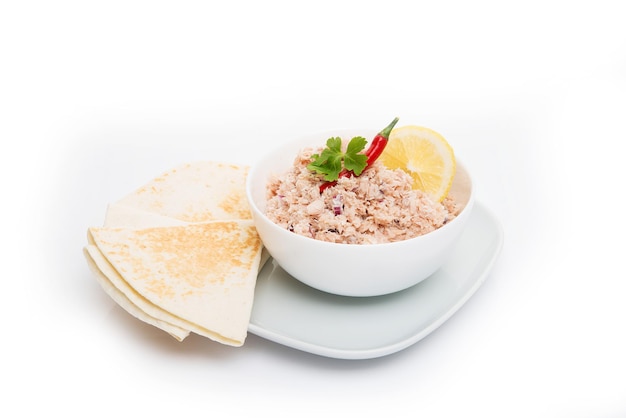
{"type": "Point", "coordinates": [332, 160]}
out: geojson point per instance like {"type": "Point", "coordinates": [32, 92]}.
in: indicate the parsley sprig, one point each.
{"type": "Point", "coordinates": [332, 160]}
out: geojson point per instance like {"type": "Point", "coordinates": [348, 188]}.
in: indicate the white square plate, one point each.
{"type": "Point", "coordinates": [293, 314]}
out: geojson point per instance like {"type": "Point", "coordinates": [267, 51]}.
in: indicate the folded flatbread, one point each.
{"type": "Point", "coordinates": [134, 303]}
{"type": "Point", "coordinates": [195, 192]}
{"type": "Point", "coordinates": [119, 215]}
{"type": "Point", "coordinates": [196, 277]}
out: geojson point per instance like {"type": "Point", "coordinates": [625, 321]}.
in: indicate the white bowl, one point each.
{"type": "Point", "coordinates": [351, 269]}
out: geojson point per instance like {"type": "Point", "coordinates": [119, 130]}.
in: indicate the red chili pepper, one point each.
{"type": "Point", "coordinates": [379, 143]}
{"type": "Point", "coordinates": [373, 152]}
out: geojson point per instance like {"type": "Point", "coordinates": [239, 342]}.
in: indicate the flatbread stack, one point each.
{"type": "Point", "coordinates": [181, 253]}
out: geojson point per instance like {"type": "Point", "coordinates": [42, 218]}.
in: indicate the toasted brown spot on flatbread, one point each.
{"type": "Point", "coordinates": [236, 203]}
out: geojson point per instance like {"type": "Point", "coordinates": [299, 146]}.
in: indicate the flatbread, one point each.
{"type": "Point", "coordinates": [135, 304]}
{"type": "Point", "coordinates": [195, 192]}
{"type": "Point", "coordinates": [121, 215]}
{"type": "Point", "coordinates": [107, 275]}
{"type": "Point", "coordinates": [198, 277]}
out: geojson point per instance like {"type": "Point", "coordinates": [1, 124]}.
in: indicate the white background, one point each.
{"type": "Point", "coordinates": [98, 97]}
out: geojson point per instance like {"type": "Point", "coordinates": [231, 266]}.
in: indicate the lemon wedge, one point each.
{"type": "Point", "coordinates": [425, 155]}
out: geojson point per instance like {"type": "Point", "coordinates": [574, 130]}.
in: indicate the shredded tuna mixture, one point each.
{"type": "Point", "coordinates": [378, 206]}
